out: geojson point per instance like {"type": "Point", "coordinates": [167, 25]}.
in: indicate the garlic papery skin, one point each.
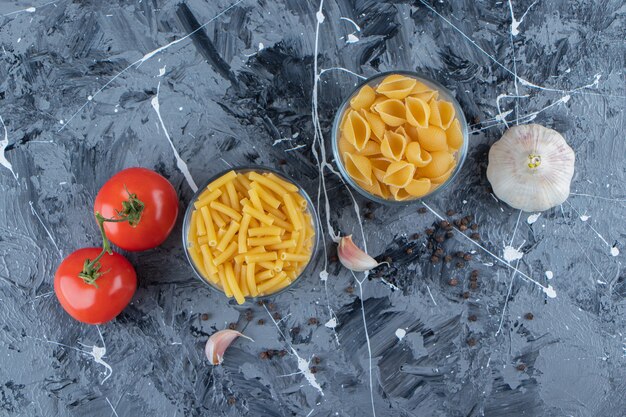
{"type": "Point", "coordinates": [353, 258]}
{"type": "Point", "coordinates": [218, 343]}
{"type": "Point", "coordinates": [531, 168]}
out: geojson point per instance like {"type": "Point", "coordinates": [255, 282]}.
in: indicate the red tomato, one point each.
{"type": "Point", "coordinates": [158, 216]}
{"type": "Point", "coordinates": [89, 303]}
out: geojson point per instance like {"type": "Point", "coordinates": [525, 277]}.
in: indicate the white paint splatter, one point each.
{"type": "Point", "coordinates": [431, 295]}
{"type": "Point", "coordinates": [3, 144]}
{"type": "Point", "coordinates": [549, 274]}
{"type": "Point", "coordinates": [332, 323]}
{"type": "Point", "coordinates": [400, 333]}
{"type": "Point", "coordinates": [96, 352]}
{"type": "Point", "coordinates": [303, 364]}
{"type": "Point", "coordinates": [515, 23]}
{"type": "Point", "coordinates": [295, 148]}
{"type": "Point", "coordinates": [261, 46]}
{"type": "Point", "coordinates": [614, 251]}
{"type": "Point", "coordinates": [162, 71]}
{"type": "Point", "coordinates": [182, 166]}
{"type": "Point", "coordinates": [19, 40]}
{"type": "Point", "coordinates": [498, 63]}
{"type": "Point", "coordinates": [324, 275]}
{"type": "Point", "coordinates": [584, 217]}
{"type": "Point", "coordinates": [320, 16]}
{"type": "Point", "coordinates": [324, 70]}
{"type": "Point", "coordinates": [549, 291]}
{"type": "Point", "coordinates": [493, 255]}
{"type": "Point", "coordinates": [533, 218]}
{"type": "Point", "coordinates": [147, 56]}
{"type": "Point", "coordinates": [511, 254]}
{"type": "Point", "coordinates": [32, 209]}
{"type": "Point", "coordinates": [352, 38]}
{"type": "Point", "coordinates": [347, 19]}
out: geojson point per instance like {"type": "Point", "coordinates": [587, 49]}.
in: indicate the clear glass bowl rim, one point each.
{"type": "Point", "coordinates": [447, 95]}
{"type": "Point", "coordinates": [248, 168]}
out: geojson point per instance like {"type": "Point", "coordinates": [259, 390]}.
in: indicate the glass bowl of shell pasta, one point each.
{"type": "Point", "coordinates": [250, 232]}
{"type": "Point", "coordinates": [399, 137]}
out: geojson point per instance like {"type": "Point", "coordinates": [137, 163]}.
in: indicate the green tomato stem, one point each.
{"type": "Point", "coordinates": [131, 212]}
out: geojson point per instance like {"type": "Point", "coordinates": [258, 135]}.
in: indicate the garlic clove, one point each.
{"type": "Point", "coordinates": [354, 258]}
{"type": "Point", "coordinates": [219, 342]}
{"type": "Point", "coordinates": [531, 168]}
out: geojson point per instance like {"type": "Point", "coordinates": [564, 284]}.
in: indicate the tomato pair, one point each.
{"type": "Point", "coordinates": [136, 210]}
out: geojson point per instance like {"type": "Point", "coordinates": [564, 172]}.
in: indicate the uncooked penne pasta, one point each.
{"type": "Point", "coordinates": [251, 234]}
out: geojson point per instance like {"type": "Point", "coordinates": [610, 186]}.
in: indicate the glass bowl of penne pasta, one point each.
{"type": "Point", "coordinates": [399, 137]}
{"type": "Point", "coordinates": [250, 232]}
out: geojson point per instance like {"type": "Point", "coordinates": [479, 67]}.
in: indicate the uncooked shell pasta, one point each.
{"type": "Point", "coordinates": [397, 139]}
{"type": "Point", "coordinates": [263, 239]}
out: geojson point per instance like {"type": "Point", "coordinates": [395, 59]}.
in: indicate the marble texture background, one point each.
{"type": "Point", "coordinates": [83, 86]}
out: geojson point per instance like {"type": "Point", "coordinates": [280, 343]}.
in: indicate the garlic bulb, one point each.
{"type": "Point", "coordinates": [531, 167]}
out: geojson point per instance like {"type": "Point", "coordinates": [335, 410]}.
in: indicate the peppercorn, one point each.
{"type": "Point", "coordinates": [313, 369]}
{"type": "Point", "coordinates": [369, 215]}
{"type": "Point", "coordinates": [409, 251]}
{"type": "Point", "coordinates": [295, 330]}
{"type": "Point", "coordinates": [450, 212]}
{"type": "Point", "coordinates": [429, 231]}
{"type": "Point", "coordinates": [443, 224]}
{"type": "Point", "coordinates": [469, 218]}
{"type": "Point", "coordinates": [449, 235]}
{"type": "Point", "coordinates": [261, 322]}
{"type": "Point", "coordinates": [466, 295]}
{"type": "Point", "coordinates": [474, 275]}
{"type": "Point", "coordinates": [232, 400]}
{"type": "Point", "coordinates": [260, 303]}
{"type": "Point", "coordinates": [316, 360]}
{"type": "Point", "coordinates": [313, 321]}
{"type": "Point", "coordinates": [474, 226]}
{"type": "Point", "coordinates": [415, 236]}
{"type": "Point", "coordinates": [453, 282]}
{"type": "Point", "coordinates": [458, 254]}
{"type": "Point", "coordinates": [529, 316]}
{"type": "Point", "coordinates": [447, 258]}
{"type": "Point", "coordinates": [264, 355]}
{"type": "Point", "coordinates": [473, 285]}
{"type": "Point", "coordinates": [349, 290]}
{"type": "Point", "coordinates": [467, 257]}
{"type": "Point", "coordinates": [439, 252]}
{"type": "Point", "coordinates": [521, 367]}
{"type": "Point", "coordinates": [475, 236]}
{"type": "Point", "coordinates": [471, 342]}
{"type": "Point", "coordinates": [434, 259]}
{"type": "Point", "coordinates": [232, 326]}
{"type": "Point", "coordinates": [271, 306]}
{"type": "Point", "coordinates": [464, 221]}
{"type": "Point", "coordinates": [459, 265]}
{"type": "Point", "coordinates": [422, 210]}
{"type": "Point", "coordinates": [439, 239]}
{"type": "Point", "coordinates": [282, 353]}
{"type": "Point", "coordinates": [472, 317]}
{"type": "Point", "coordinates": [277, 316]}
{"type": "Point", "coordinates": [204, 317]}
{"type": "Point", "coordinates": [462, 228]}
